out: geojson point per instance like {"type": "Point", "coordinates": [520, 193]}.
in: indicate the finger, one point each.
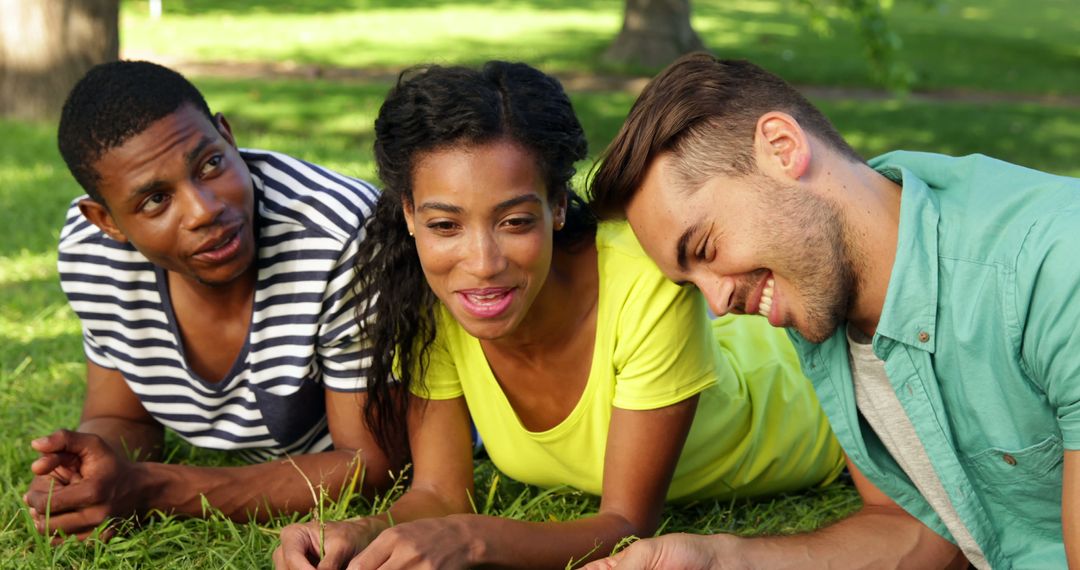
{"type": "Point", "coordinates": [74, 442]}
{"type": "Point", "coordinates": [637, 555]}
{"type": "Point", "coordinates": [338, 552]}
{"type": "Point", "coordinates": [602, 564]}
{"type": "Point", "coordinates": [76, 522]}
{"type": "Point", "coordinates": [64, 498]}
{"type": "Point", "coordinates": [50, 462]}
{"type": "Point", "coordinates": [297, 549]}
{"type": "Point", "coordinates": [375, 555]}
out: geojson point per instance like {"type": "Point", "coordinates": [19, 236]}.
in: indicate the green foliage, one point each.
{"type": "Point", "coordinates": [881, 44]}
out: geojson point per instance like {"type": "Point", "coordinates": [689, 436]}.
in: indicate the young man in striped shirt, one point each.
{"type": "Point", "coordinates": [213, 286]}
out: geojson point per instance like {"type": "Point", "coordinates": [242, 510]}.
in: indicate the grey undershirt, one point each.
{"type": "Point", "coordinates": [877, 401]}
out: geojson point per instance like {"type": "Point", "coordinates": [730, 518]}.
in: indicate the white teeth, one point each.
{"type": "Point", "coordinates": [485, 299]}
{"type": "Point", "coordinates": [765, 306]}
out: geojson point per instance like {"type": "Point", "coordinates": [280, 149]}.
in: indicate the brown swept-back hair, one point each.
{"type": "Point", "coordinates": [704, 111]}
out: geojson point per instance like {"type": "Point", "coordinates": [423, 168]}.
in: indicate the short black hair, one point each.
{"type": "Point", "coordinates": [113, 102]}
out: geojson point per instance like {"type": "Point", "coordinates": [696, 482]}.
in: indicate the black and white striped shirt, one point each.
{"type": "Point", "coordinates": [304, 336]}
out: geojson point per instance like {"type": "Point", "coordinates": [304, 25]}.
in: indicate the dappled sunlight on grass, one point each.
{"type": "Point", "coordinates": [961, 43]}
{"type": "Point", "coordinates": [26, 266]}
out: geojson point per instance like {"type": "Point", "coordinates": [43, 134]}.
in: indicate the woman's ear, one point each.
{"type": "Point", "coordinates": [407, 208]}
{"type": "Point", "coordinates": [558, 213]}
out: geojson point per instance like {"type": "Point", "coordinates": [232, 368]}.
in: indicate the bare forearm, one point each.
{"type": "Point", "coordinates": [251, 492]}
{"type": "Point", "coordinates": [507, 543]}
{"type": "Point", "coordinates": [871, 538]}
{"type": "Point", "coordinates": [137, 441]}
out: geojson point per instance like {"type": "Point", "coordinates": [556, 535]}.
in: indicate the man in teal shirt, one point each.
{"type": "Point", "coordinates": [933, 302]}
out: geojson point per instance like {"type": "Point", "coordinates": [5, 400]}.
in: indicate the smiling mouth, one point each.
{"type": "Point", "coordinates": [765, 305]}
{"type": "Point", "coordinates": [486, 303]}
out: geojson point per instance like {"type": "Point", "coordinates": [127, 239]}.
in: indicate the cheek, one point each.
{"type": "Point", "coordinates": [437, 257]}
{"type": "Point", "coordinates": [530, 251]}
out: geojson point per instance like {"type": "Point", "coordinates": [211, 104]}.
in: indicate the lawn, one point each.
{"type": "Point", "coordinates": [997, 46]}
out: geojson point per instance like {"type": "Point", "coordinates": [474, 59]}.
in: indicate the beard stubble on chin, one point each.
{"type": "Point", "coordinates": [811, 244]}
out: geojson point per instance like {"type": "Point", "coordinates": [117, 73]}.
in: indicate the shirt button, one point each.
{"type": "Point", "coordinates": [1009, 459]}
{"type": "Point", "coordinates": [924, 336]}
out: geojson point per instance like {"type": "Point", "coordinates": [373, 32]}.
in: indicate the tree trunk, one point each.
{"type": "Point", "coordinates": [654, 33]}
{"type": "Point", "coordinates": [46, 46]}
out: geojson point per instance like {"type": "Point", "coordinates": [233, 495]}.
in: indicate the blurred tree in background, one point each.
{"type": "Point", "coordinates": [46, 46]}
{"type": "Point", "coordinates": [656, 32]}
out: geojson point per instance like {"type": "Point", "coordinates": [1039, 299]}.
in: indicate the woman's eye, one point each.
{"type": "Point", "coordinates": [154, 202]}
{"type": "Point", "coordinates": [519, 222]}
{"type": "Point", "coordinates": [441, 226]}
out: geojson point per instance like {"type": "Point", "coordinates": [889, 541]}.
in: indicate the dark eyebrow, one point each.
{"type": "Point", "coordinates": [189, 159]}
{"type": "Point", "coordinates": [148, 188]}
{"type": "Point", "coordinates": [680, 247]}
{"type": "Point", "coordinates": [194, 153]}
{"type": "Point", "coordinates": [441, 206]}
{"type": "Point", "coordinates": [504, 205]}
{"type": "Point", "coordinates": [507, 204]}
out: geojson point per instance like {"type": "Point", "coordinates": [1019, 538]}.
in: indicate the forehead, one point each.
{"type": "Point", "coordinates": [476, 173]}
{"type": "Point", "coordinates": [659, 213]}
{"type": "Point", "coordinates": [164, 144]}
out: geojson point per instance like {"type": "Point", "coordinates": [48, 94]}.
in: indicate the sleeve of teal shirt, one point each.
{"type": "Point", "coordinates": [1048, 278]}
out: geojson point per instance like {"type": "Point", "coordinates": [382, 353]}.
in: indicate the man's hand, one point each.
{"type": "Point", "coordinates": [90, 483]}
{"type": "Point", "coordinates": [689, 551]}
{"type": "Point", "coordinates": [311, 546]}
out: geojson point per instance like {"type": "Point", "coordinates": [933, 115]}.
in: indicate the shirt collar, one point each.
{"type": "Point", "coordinates": [909, 315]}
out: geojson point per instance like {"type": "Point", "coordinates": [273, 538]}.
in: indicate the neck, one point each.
{"type": "Point", "coordinates": [566, 299]}
{"type": "Point", "coordinates": [222, 298]}
{"type": "Point", "coordinates": [872, 212]}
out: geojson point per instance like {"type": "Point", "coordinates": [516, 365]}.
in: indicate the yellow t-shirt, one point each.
{"type": "Point", "coordinates": [758, 428]}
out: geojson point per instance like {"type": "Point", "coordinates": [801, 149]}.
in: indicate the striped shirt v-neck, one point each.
{"type": "Point", "coordinates": [303, 337]}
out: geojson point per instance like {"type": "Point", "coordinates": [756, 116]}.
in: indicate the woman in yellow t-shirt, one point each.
{"type": "Point", "coordinates": [577, 361]}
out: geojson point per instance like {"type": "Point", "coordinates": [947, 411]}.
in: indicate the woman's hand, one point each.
{"type": "Point", "coordinates": [444, 542]}
{"type": "Point", "coordinates": [340, 542]}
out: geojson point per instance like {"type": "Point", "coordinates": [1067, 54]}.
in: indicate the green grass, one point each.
{"type": "Point", "coordinates": [998, 45]}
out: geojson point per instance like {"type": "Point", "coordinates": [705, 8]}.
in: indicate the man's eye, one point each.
{"type": "Point", "coordinates": [211, 165]}
{"type": "Point", "coordinates": [154, 202]}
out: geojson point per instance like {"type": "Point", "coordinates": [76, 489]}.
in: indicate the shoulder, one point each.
{"type": "Point", "coordinates": [625, 269]}
{"type": "Point", "coordinates": [85, 251]}
{"type": "Point", "coordinates": [309, 194]}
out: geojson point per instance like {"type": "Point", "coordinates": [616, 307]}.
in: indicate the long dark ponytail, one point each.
{"type": "Point", "coordinates": [433, 107]}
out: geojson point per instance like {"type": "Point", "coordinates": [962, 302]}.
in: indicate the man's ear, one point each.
{"type": "Point", "coordinates": [407, 206]}
{"type": "Point", "coordinates": [99, 215]}
{"type": "Point", "coordinates": [781, 145]}
{"type": "Point", "coordinates": [223, 127]}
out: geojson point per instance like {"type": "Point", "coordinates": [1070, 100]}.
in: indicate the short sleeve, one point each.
{"type": "Point", "coordinates": [94, 352]}
{"type": "Point", "coordinates": [1049, 265]}
{"type": "Point", "coordinates": [665, 351]}
{"type": "Point", "coordinates": [440, 376]}
{"type": "Point", "coordinates": [343, 356]}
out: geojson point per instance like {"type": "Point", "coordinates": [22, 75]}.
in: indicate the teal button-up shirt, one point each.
{"type": "Point", "coordinates": [980, 334]}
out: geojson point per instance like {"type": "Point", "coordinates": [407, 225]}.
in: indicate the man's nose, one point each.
{"type": "Point", "coordinates": [202, 206]}
{"type": "Point", "coordinates": [719, 293]}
